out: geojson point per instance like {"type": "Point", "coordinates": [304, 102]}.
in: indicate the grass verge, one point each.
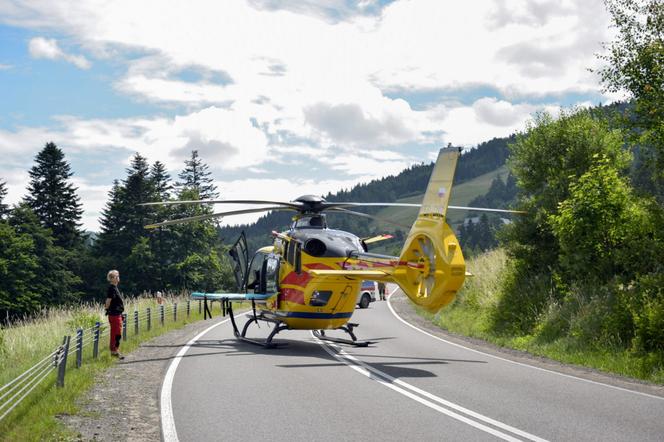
{"type": "Point", "coordinates": [26, 342]}
{"type": "Point", "coordinates": [470, 313]}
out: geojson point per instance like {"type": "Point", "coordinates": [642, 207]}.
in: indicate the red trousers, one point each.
{"type": "Point", "coordinates": [116, 331]}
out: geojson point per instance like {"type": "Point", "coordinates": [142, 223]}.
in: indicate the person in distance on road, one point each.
{"type": "Point", "coordinates": [114, 309]}
{"type": "Point", "coordinates": [381, 290]}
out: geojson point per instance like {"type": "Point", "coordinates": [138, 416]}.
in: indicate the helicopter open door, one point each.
{"type": "Point", "coordinates": [240, 257]}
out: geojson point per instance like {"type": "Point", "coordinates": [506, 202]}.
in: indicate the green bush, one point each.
{"type": "Point", "coordinates": [82, 319]}
{"type": "Point", "coordinates": [601, 320]}
{"type": "Point", "coordinates": [523, 298]}
{"type": "Point", "coordinates": [648, 311]}
{"type": "Point", "coordinates": [555, 322]}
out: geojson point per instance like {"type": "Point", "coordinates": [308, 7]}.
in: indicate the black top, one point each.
{"type": "Point", "coordinates": [117, 306]}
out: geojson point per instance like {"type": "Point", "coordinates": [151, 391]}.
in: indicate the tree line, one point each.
{"type": "Point", "coordinates": [47, 259]}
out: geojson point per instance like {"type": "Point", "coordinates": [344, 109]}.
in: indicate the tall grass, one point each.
{"type": "Point", "coordinates": [25, 342]}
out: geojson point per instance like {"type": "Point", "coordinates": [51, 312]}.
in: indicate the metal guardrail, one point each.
{"type": "Point", "coordinates": [16, 390]}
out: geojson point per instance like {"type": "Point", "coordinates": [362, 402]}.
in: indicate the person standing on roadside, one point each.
{"type": "Point", "coordinates": [114, 309]}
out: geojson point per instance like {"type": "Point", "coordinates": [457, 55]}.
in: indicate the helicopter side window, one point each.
{"type": "Point", "coordinates": [270, 275]}
{"type": "Point", "coordinates": [320, 298]}
{"type": "Point", "coordinates": [254, 277]}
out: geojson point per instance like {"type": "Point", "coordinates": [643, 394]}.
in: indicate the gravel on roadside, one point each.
{"type": "Point", "coordinates": [124, 404]}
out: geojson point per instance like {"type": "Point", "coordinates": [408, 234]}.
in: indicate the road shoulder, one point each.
{"type": "Point", "coordinates": [124, 404]}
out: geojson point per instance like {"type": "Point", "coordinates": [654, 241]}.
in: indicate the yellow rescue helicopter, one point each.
{"type": "Point", "coordinates": [310, 277]}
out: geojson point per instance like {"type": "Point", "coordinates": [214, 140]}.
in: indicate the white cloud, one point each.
{"type": "Point", "coordinates": [409, 44]}
{"type": "Point", "coordinates": [348, 123]}
{"type": "Point", "coordinates": [267, 82]}
{"type": "Point", "coordinates": [530, 12]}
{"type": "Point", "coordinates": [40, 47]}
{"type": "Point", "coordinates": [5, 67]}
{"type": "Point", "coordinates": [160, 90]}
{"type": "Point", "coordinates": [499, 112]}
{"type": "Point", "coordinates": [94, 198]}
{"type": "Point", "coordinates": [485, 119]}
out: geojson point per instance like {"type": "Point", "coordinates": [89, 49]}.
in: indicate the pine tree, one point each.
{"type": "Point", "coordinates": [137, 188]}
{"type": "Point", "coordinates": [161, 241]}
{"type": "Point", "coordinates": [123, 222]}
{"type": "Point", "coordinates": [53, 198]}
{"type": "Point", "coordinates": [161, 181]}
{"type": "Point", "coordinates": [4, 208]}
{"type": "Point", "coordinates": [197, 176]}
{"type": "Point", "coordinates": [112, 222]}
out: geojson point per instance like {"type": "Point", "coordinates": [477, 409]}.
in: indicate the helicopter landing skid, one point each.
{"type": "Point", "coordinates": [242, 336]}
{"type": "Point", "coordinates": [348, 328]}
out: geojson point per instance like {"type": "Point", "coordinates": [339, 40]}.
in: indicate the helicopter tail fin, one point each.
{"type": "Point", "coordinates": [433, 267]}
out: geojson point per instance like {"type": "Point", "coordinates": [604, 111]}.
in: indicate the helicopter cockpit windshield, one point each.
{"type": "Point", "coordinates": [253, 279]}
{"type": "Point", "coordinates": [311, 222]}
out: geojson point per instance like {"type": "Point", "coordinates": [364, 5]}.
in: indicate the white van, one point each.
{"type": "Point", "coordinates": [367, 294]}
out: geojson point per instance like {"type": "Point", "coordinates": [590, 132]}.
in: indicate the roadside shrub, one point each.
{"type": "Point", "coordinates": [82, 319]}
{"type": "Point", "coordinates": [648, 311]}
{"type": "Point", "coordinates": [522, 300]}
{"type": "Point", "coordinates": [602, 318]}
{"type": "Point", "coordinates": [555, 322]}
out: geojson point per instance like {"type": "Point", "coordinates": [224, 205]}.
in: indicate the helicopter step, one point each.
{"type": "Point", "coordinates": [348, 328]}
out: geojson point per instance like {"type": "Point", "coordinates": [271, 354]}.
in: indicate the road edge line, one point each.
{"type": "Point", "coordinates": [168, 430]}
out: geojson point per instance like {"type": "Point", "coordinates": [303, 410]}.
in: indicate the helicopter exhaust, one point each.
{"type": "Point", "coordinates": [440, 268]}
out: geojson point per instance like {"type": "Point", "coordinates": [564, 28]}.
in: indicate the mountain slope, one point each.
{"type": "Point", "coordinates": [475, 171]}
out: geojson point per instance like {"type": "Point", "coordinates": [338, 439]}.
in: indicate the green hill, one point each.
{"type": "Point", "coordinates": [476, 170]}
{"type": "Point", "coordinates": [462, 195]}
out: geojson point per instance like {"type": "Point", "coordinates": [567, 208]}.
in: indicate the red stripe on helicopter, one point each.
{"type": "Point", "coordinates": [318, 266]}
{"type": "Point", "coordinates": [294, 279]}
{"type": "Point", "coordinates": [292, 295]}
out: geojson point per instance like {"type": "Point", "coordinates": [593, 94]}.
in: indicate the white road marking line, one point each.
{"type": "Point", "coordinates": [396, 384]}
{"type": "Point", "coordinates": [514, 362]}
{"type": "Point", "coordinates": [168, 430]}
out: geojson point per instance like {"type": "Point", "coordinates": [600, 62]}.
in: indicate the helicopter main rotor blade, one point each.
{"type": "Point", "coordinates": [364, 215]}
{"type": "Point", "coordinates": [214, 215]}
{"type": "Point", "coordinates": [333, 204]}
{"type": "Point", "coordinates": [167, 203]}
{"type": "Point", "coordinates": [484, 209]}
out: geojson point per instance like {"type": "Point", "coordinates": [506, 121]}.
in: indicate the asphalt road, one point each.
{"type": "Point", "coordinates": [408, 385]}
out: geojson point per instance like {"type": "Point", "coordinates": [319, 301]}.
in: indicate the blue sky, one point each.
{"type": "Point", "coordinates": [281, 97]}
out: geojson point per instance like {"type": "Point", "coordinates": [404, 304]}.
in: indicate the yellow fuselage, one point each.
{"type": "Point", "coordinates": [306, 302]}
